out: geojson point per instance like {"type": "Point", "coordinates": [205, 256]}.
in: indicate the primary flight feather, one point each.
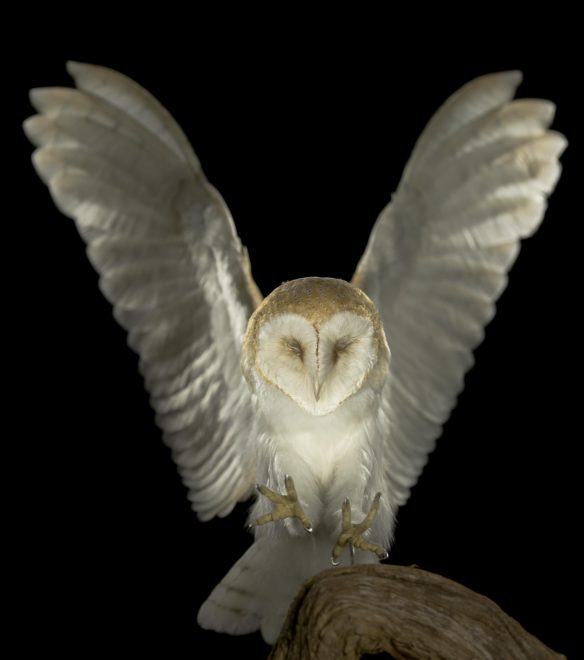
{"type": "Point", "coordinates": [328, 394]}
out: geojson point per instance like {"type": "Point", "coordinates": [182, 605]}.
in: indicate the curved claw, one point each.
{"type": "Point", "coordinates": [353, 534]}
{"type": "Point", "coordinates": [284, 506]}
{"type": "Point", "coordinates": [352, 552]}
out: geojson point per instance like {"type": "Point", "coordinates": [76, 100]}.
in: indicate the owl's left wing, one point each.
{"type": "Point", "coordinates": [438, 256]}
{"type": "Point", "coordinates": [169, 260]}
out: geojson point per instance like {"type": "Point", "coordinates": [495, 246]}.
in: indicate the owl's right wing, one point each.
{"type": "Point", "coordinates": [438, 256]}
{"type": "Point", "coordinates": [169, 261]}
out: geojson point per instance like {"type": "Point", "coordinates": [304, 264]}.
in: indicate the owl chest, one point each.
{"type": "Point", "coordinates": [325, 455]}
{"type": "Point", "coordinates": [323, 450]}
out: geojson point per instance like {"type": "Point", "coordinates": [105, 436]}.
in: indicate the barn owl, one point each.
{"type": "Point", "coordinates": [325, 398]}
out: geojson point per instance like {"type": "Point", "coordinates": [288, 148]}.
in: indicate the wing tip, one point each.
{"type": "Point", "coordinates": [513, 78]}
{"type": "Point", "coordinates": [28, 127]}
{"type": "Point", "coordinates": [39, 96]}
{"type": "Point", "coordinates": [33, 128]}
{"type": "Point", "coordinates": [80, 71]}
{"type": "Point", "coordinates": [203, 516]}
{"type": "Point", "coordinates": [73, 67]}
{"type": "Point", "coordinates": [510, 80]}
{"type": "Point", "coordinates": [548, 148]}
{"type": "Point", "coordinates": [513, 75]}
{"type": "Point", "coordinates": [33, 95]}
{"type": "Point", "coordinates": [558, 142]}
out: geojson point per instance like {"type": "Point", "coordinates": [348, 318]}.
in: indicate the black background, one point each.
{"type": "Point", "coordinates": [306, 138]}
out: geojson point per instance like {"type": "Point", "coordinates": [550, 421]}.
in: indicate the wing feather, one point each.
{"type": "Point", "coordinates": [437, 259]}
{"type": "Point", "coordinates": [169, 261]}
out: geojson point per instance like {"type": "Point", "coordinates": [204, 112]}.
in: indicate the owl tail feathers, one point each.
{"type": "Point", "coordinates": [257, 591]}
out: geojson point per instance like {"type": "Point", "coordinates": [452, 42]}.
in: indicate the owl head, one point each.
{"type": "Point", "coordinates": [316, 340]}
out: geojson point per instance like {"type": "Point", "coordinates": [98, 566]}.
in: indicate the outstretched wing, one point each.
{"type": "Point", "coordinates": [169, 261]}
{"type": "Point", "coordinates": [438, 256]}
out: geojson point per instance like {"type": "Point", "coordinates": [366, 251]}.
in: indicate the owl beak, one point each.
{"type": "Point", "coordinates": [317, 387]}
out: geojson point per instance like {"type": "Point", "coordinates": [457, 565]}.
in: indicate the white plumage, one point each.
{"type": "Point", "coordinates": [320, 398]}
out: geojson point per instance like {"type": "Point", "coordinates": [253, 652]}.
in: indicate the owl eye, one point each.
{"type": "Point", "coordinates": [341, 346]}
{"type": "Point", "coordinates": [294, 347]}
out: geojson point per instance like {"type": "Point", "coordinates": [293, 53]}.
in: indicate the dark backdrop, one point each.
{"type": "Point", "coordinates": [306, 144]}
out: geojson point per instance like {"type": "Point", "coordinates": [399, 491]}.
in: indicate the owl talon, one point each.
{"type": "Point", "coordinates": [352, 535]}
{"type": "Point", "coordinates": [286, 506]}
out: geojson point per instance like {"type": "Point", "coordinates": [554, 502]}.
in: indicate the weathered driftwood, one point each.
{"type": "Point", "coordinates": [404, 611]}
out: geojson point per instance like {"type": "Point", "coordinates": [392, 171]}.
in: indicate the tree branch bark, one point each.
{"type": "Point", "coordinates": [409, 613]}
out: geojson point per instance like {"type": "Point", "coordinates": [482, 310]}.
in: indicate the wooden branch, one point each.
{"type": "Point", "coordinates": [407, 612]}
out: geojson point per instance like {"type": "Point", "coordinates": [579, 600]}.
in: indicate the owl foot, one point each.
{"type": "Point", "coordinates": [352, 535]}
{"type": "Point", "coordinates": [286, 506]}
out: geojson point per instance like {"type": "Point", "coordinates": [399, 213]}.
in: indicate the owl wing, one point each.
{"type": "Point", "coordinates": [169, 260]}
{"type": "Point", "coordinates": [438, 256]}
